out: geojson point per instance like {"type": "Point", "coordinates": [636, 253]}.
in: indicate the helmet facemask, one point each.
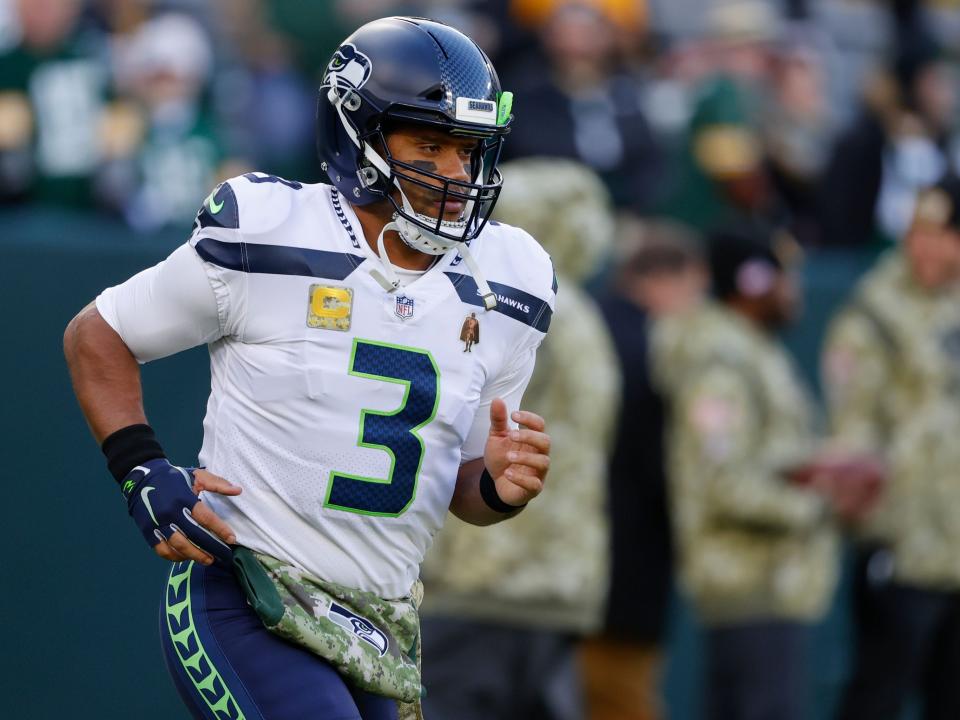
{"type": "Point", "coordinates": [427, 233]}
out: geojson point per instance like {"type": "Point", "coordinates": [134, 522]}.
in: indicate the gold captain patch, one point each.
{"type": "Point", "coordinates": [329, 307]}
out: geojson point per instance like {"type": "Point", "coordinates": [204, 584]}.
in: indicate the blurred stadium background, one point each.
{"type": "Point", "coordinates": [117, 117]}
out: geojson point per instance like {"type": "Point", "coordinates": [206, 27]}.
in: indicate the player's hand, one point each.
{"type": "Point", "coordinates": [518, 459]}
{"type": "Point", "coordinates": [852, 483]}
{"type": "Point", "coordinates": [162, 500]}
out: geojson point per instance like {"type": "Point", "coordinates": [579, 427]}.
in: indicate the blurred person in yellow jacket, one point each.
{"type": "Point", "coordinates": [892, 372]}
{"type": "Point", "coordinates": [503, 608]}
{"type": "Point", "coordinates": [751, 488]}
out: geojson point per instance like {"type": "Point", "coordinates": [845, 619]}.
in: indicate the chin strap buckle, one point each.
{"type": "Point", "coordinates": [387, 285]}
{"type": "Point", "coordinates": [489, 301]}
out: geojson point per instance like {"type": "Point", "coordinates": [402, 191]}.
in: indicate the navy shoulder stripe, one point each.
{"type": "Point", "coordinates": [220, 209]}
{"type": "Point", "coordinates": [278, 259]}
{"type": "Point", "coordinates": [511, 301]}
{"type": "Point", "coordinates": [264, 178]}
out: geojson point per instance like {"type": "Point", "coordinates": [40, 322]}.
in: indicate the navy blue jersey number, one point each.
{"type": "Point", "coordinates": [394, 432]}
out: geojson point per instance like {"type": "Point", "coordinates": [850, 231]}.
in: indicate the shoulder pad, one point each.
{"type": "Point", "coordinates": [515, 252]}
{"type": "Point", "coordinates": [254, 203]}
{"type": "Point", "coordinates": [220, 209]}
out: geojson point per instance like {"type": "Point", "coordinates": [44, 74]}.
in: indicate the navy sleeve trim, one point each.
{"type": "Point", "coordinates": [278, 259]}
{"type": "Point", "coordinates": [512, 302]}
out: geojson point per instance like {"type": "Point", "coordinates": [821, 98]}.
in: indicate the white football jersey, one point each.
{"type": "Point", "coordinates": [343, 411]}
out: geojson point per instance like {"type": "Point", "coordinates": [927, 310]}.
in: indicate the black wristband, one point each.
{"type": "Point", "coordinates": [488, 491]}
{"type": "Point", "coordinates": [128, 447]}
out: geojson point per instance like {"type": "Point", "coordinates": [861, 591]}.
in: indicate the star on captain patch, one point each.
{"type": "Point", "coordinates": [404, 307]}
{"type": "Point", "coordinates": [329, 307]}
{"type": "Point", "coordinates": [470, 332]}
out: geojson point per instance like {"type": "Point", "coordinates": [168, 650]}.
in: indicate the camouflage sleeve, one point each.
{"type": "Point", "coordinates": [721, 438]}
{"type": "Point", "coordinates": [855, 371]}
{"type": "Point", "coordinates": [577, 360]}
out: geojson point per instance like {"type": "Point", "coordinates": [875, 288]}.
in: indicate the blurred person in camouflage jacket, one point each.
{"type": "Point", "coordinates": [892, 372]}
{"type": "Point", "coordinates": [756, 551]}
{"type": "Point", "coordinates": [503, 607]}
{"type": "Point", "coordinates": [662, 271]}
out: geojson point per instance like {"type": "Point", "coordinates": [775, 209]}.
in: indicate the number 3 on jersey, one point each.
{"type": "Point", "coordinates": [394, 432]}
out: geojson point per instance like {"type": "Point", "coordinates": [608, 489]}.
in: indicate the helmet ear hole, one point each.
{"type": "Point", "coordinates": [351, 101]}
{"type": "Point", "coordinates": [368, 176]}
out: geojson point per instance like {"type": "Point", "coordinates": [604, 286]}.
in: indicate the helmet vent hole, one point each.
{"type": "Point", "coordinates": [435, 95]}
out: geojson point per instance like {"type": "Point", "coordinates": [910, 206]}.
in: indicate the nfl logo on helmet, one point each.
{"type": "Point", "coordinates": [404, 309]}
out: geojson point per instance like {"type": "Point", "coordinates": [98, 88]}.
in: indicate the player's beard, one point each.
{"type": "Point", "coordinates": [427, 202]}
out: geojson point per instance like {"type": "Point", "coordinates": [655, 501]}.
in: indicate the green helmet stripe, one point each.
{"type": "Point", "coordinates": [504, 106]}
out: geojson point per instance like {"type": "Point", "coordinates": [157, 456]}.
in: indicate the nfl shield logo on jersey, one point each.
{"type": "Point", "coordinates": [404, 309]}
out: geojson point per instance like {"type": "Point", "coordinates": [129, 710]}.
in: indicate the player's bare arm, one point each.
{"type": "Point", "coordinates": [106, 377]}
{"type": "Point", "coordinates": [517, 461]}
{"type": "Point", "coordinates": [106, 380]}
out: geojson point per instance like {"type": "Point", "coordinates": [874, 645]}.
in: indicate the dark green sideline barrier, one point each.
{"type": "Point", "coordinates": [81, 592]}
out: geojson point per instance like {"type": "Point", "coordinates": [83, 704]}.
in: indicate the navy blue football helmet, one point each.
{"type": "Point", "coordinates": [412, 70]}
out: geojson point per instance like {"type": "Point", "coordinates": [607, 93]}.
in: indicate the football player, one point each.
{"type": "Point", "coordinates": [344, 418]}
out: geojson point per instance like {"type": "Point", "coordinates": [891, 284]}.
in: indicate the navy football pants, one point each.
{"type": "Point", "coordinates": [227, 665]}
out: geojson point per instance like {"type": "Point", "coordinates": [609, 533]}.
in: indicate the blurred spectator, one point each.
{"type": "Point", "coordinates": [314, 29]}
{"type": "Point", "coordinates": [503, 606]}
{"type": "Point", "coordinates": [165, 149]}
{"type": "Point", "coordinates": [904, 139]}
{"type": "Point", "coordinates": [580, 103]}
{"type": "Point", "coordinates": [796, 128]}
{"type": "Point", "coordinates": [663, 275]}
{"type": "Point", "coordinates": [892, 371]}
{"type": "Point", "coordinates": [266, 94]}
{"type": "Point", "coordinates": [756, 552]}
{"type": "Point", "coordinates": [53, 83]}
{"type": "Point", "coordinates": [719, 176]}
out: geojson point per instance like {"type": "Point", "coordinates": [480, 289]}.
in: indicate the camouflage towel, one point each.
{"type": "Point", "coordinates": [372, 642]}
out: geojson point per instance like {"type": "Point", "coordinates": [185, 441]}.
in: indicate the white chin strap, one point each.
{"type": "Point", "coordinates": [388, 278]}
{"type": "Point", "coordinates": [429, 243]}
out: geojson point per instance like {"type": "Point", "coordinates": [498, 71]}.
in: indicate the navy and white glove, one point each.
{"type": "Point", "coordinates": [160, 499]}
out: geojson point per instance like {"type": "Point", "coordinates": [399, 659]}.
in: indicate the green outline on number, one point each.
{"type": "Point", "coordinates": [376, 446]}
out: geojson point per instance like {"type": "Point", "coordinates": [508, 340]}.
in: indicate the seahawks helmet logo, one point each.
{"type": "Point", "coordinates": [348, 69]}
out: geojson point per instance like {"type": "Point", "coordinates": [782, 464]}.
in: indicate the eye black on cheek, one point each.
{"type": "Point", "coordinates": [425, 165]}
